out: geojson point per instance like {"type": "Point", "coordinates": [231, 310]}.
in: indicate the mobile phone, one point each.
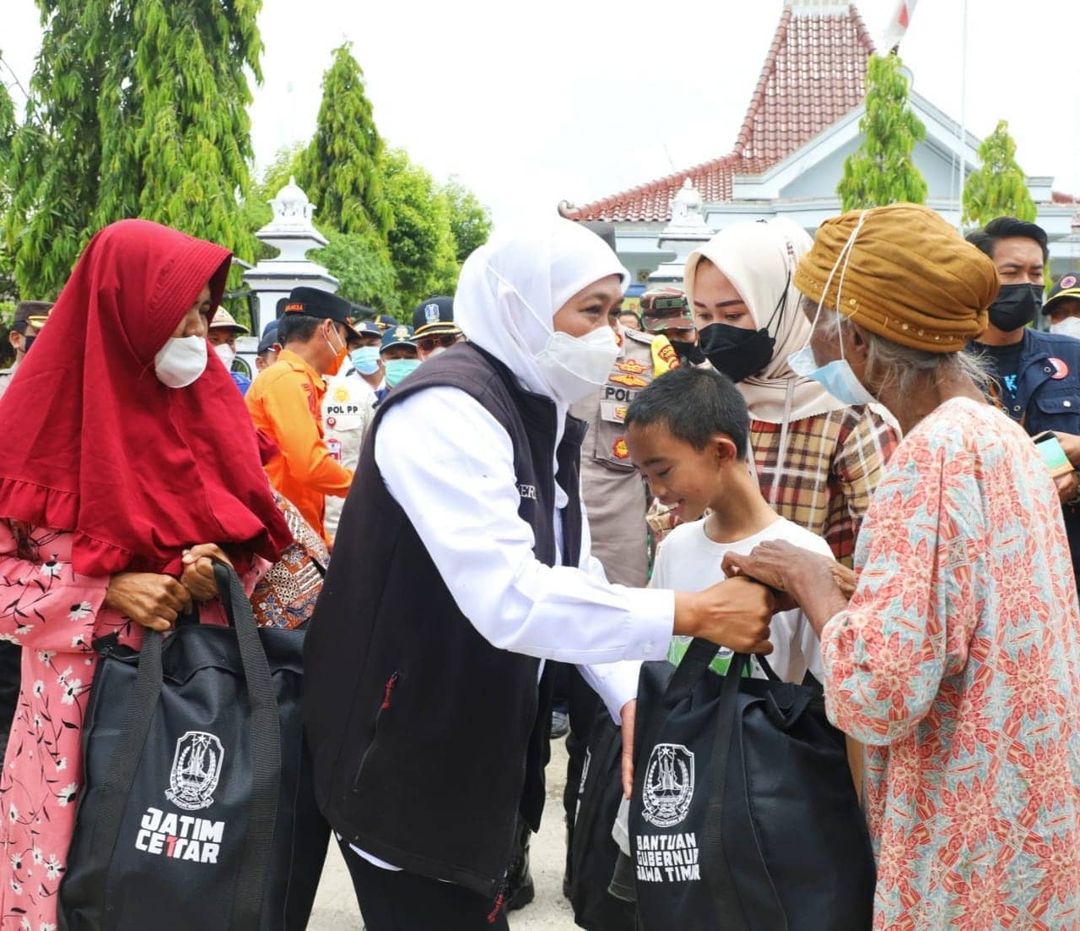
{"type": "Point", "coordinates": [1052, 454]}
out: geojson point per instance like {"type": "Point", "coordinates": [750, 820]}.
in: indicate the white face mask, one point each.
{"type": "Point", "coordinates": [180, 361]}
{"type": "Point", "coordinates": [226, 354]}
{"type": "Point", "coordinates": [1070, 326]}
{"type": "Point", "coordinates": [575, 366]}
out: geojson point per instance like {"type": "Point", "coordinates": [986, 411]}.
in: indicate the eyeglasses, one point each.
{"type": "Point", "coordinates": [441, 340]}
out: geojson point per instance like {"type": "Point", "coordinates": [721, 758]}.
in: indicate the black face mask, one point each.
{"type": "Point", "coordinates": [740, 353]}
{"type": "Point", "coordinates": [689, 353]}
{"type": "Point", "coordinates": [1016, 306]}
{"type": "Point", "coordinates": [736, 352]}
{"type": "Point", "coordinates": [27, 342]}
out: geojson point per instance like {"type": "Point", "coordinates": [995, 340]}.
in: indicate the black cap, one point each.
{"type": "Point", "coordinates": [314, 302]}
{"type": "Point", "coordinates": [368, 328]}
{"type": "Point", "coordinates": [30, 313]}
{"type": "Point", "coordinates": [400, 335]}
{"type": "Point", "coordinates": [435, 315]}
{"type": "Point", "coordinates": [268, 339]}
{"type": "Point", "coordinates": [384, 322]}
{"type": "Point", "coordinates": [1066, 288]}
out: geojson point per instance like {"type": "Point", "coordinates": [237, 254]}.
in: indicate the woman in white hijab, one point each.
{"type": "Point", "coordinates": [460, 566]}
{"type": "Point", "coordinates": [818, 459]}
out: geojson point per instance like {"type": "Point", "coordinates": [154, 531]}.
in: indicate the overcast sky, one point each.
{"type": "Point", "coordinates": [578, 99]}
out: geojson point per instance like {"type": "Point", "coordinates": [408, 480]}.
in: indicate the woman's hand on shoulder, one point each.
{"type": "Point", "coordinates": [198, 575]}
{"type": "Point", "coordinates": [147, 598]}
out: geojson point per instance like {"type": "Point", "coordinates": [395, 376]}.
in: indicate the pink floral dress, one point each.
{"type": "Point", "coordinates": [958, 664]}
{"type": "Point", "coordinates": [55, 614]}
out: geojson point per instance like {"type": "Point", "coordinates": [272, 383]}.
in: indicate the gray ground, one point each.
{"type": "Point", "coordinates": [336, 910]}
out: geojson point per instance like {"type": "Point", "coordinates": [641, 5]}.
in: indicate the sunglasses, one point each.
{"type": "Point", "coordinates": [442, 340]}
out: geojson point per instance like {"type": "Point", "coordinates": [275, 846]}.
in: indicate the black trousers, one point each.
{"type": "Point", "coordinates": [398, 901]}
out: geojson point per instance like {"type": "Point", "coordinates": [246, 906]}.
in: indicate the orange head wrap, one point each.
{"type": "Point", "coordinates": [903, 273]}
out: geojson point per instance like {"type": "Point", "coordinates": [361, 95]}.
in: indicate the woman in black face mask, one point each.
{"type": "Point", "coordinates": [818, 459]}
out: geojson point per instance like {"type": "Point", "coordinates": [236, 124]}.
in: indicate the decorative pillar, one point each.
{"type": "Point", "coordinates": [294, 235]}
{"type": "Point", "coordinates": [686, 231]}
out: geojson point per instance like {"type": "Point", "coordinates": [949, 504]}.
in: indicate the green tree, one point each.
{"type": "Point", "coordinates": [341, 168]}
{"type": "Point", "coordinates": [56, 151]}
{"type": "Point", "coordinates": [470, 220]}
{"type": "Point", "coordinates": [7, 133]}
{"type": "Point", "coordinates": [191, 136]}
{"type": "Point", "coordinates": [422, 246]}
{"type": "Point", "coordinates": [999, 187]}
{"type": "Point", "coordinates": [881, 171]}
{"type": "Point", "coordinates": [256, 208]}
{"type": "Point", "coordinates": [137, 108]}
{"type": "Point", "coordinates": [361, 262]}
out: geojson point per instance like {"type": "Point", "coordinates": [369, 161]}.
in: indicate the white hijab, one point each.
{"type": "Point", "coordinates": [511, 288]}
{"type": "Point", "coordinates": [759, 259]}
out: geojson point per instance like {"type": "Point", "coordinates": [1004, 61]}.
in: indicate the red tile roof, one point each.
{"type": "Point", "coordinates": [814, 74]}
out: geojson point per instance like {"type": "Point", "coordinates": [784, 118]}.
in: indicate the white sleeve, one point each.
{"type": "Point", "coordinates": [449, 464]}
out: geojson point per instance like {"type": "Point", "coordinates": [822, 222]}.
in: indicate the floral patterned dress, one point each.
{"type": "Point", "coordinates": [55, 614]}
{"type": "Point", "coordinates": [958, 664]}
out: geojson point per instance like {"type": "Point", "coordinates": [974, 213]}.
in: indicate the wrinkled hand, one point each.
{"type": "Point", "coordinates": [1067, 486]}
{"type": "Point", "coordinates": [780, 565]}
{"type": "Point", "coordinates": [629, 715]}
{"type": "Point", "coordinates": [149, 599]}
{"type": "Point", "coordinates": [734, 614]}
{"type": "Point", "coordinates": [198, 575]}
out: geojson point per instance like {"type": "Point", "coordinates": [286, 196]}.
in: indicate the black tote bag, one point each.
{"type": "Point", "coordinates": [744, 814]}
{"type": "Point", "coordinates": [595, 853]}
{"type": "Point", "coordinates": [197, 810]}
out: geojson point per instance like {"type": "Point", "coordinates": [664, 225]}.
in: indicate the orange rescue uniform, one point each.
{"type": "Point", "coordinates": [285, 401]}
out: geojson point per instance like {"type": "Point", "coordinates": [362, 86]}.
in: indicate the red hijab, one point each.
{"type": "Point", "coordinates": [95, 444]}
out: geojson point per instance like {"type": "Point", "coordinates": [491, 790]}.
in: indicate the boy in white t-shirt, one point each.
{"type": "Point", "coordinates": [688, 436]}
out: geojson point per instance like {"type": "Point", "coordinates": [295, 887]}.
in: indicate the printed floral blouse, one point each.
{"type": "Point", "coordinates": [958, 664]}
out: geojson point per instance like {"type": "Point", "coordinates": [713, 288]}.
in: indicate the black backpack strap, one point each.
{"type": "Point", "coordinates": [265, 729]}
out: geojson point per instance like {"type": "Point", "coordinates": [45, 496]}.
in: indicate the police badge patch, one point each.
{"type": "Point", "coordinates": [431, 313]}
{"type": "Point", "coordinates": [669, 785]}
{"type": "Point", "coordinates": [195, 771]}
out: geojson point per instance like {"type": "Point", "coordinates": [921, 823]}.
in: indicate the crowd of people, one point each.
{"type": "Point", "coordinates": [835, 452]}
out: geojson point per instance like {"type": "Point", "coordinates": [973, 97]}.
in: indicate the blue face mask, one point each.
{"type": "Point", "coordinates": [837, 377]}
{"type": "Point", "coordinates": [398, 369]}
{"type": "Point", "coordinates": [365, 359]}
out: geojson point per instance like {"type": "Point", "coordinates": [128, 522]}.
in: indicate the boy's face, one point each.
{"type": "Point", "coordinates": [684, 478]}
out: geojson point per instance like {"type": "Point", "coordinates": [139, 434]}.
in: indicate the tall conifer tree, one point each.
{"type": "Point", "coordinates": [342, 173]}
{"type": "Point", "coordinates": [882, 170]}
{"type": "Point", "coordinates": [56, 151]}
{"type": "Point", "coordinates": [138, 108]}
{"type": "Point", "coordinates": [999, 187]}
{"type": "Point", "coordinates": [191, 133]}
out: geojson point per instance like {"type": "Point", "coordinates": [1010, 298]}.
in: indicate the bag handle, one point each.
{"type": "Point", "coordinates": [265, 731]}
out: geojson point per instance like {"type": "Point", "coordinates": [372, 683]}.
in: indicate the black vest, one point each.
{"type": "Point", "coordinates": [427, 740]}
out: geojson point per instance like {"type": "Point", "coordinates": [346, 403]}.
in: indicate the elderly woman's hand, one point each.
{"type": "Point", "coordinates": [198, 576]}
{"type": "Point", "coordinates": [149, 599]}
{"type": "Point", "coordinates": [816, 583]}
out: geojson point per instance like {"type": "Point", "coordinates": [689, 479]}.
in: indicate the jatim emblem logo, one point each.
{"type": "Point", "coordinates": [669, 785]}
{"type": "Point", "coordinates": [195, 771]}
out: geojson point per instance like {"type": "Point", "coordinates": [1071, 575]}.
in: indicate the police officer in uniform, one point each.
{"type": "Point", "coordinates": [30, 317]}
{"type": "Point", "coordinates": [347, 410]}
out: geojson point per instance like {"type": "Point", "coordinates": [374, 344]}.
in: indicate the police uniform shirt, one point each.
{"type": "Point", "coordinates": [347, 411]}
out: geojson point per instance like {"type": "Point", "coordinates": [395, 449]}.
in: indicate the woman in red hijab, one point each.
{"type": "Point", "coordinates": [121, 471]}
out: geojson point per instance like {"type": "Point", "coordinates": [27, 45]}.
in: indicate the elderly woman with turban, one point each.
{"type": "Point", "coordinates": [957, 657]}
